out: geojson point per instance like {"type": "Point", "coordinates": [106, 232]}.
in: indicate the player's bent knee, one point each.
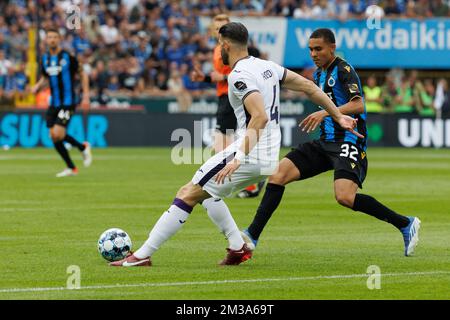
{"type": "Point", "coordinates": [345, 200]}
{"type": "Point", "coordinates": [280, 178]}
{"type": "Point", "coordinates": [56, 137]}
{"type": "Point", "coordinates": [191, 194]}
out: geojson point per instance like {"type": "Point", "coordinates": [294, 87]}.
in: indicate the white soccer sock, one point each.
{"type": "Point", "coordinates": [219, 213]}
{"type": "Point", "coordinates": [170, 222]}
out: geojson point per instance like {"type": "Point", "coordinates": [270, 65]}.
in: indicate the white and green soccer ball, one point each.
{"type": "Point", "coordinates": [114, 244]}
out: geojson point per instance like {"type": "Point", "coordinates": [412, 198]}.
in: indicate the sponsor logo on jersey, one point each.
{"type": "Point", "coordinates": [240, 85]}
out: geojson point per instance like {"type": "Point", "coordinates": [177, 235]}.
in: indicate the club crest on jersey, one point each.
{"type": "Point", "coordinates": [347, 68]}
{"type": "Point", "coordinates": [353, 87]}
{"type": "Point", "coordinates": [240, 85]}
{"type": "Point", "coordinates": [331, 82]}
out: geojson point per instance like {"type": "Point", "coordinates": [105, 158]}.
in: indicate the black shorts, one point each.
{"type": "Point", "coordinates": [226, 119]}
{"type": "Point", "coordinates": [315, 157]}
{"type": "Point", "coordinates": [60, 116]}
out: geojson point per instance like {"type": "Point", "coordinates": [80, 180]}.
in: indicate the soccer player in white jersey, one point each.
{"type": "Point", "coordinates": [254, 91]}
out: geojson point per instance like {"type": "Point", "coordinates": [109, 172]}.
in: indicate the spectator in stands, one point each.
{"type": "Point", "coordinates": [5, 64]}
{"type": "Point", "coordinates": [81, 43]}
{"type": "Point", "coordinates": [113, 86]}
{"type": "Point", "coordinates": [439, 8]}
{"type": "Point", "coordinates": [130, 74]}
{"type": "Point", "coordinates": [284, 8]}
{"type": "Point", "coordinates": [303, 11]}
{"type": "Point", "coordinates": [389, 93]}
{"type": "Point", "coordinates": [424, 94]}
{"type": "Point", "coordinates": [392, 9]}
{"type": "Point", "coordinates": [109, 32]}
{"type": "Point", "coordinates": [422, 9]}
{"type": "Point", "coordinates": [4, 45]}
{"type": "Point", "coordinates": [144, 49]}
{"type": "Point", "coordinates": [321, 9]}
{"type": "Point", "coordinates": [442, 98]}
{"type": "Point", "coordinates": [372, 95]}
{"type": "Point", "coordinates": [339, 9]}
{"type": "Point", "coordinates": [20, 80]}
{"type": "Point", "coordinates": [176, 88]}
{"type": "Point", "coordinates": [18, 43]}
{"type": "Point", "coordinates": [9, 85]}
{"type": "Point", "coordinates": [357, 9]}
{"type": "Point", "coordinates": [4, 30]}
{"type": "Point", "coordinates": [161, 81]}
{"type": "Point", "coordinates": [174, 53]}
{"type": "Point", "coordinates": [404, 102]}
{"type": "Point", "coordinates": [100, 80]}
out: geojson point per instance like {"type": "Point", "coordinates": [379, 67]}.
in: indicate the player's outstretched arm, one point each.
{"type": "Point", "coordinates": [296, 82]}
{"type": "Point", "coordinates": [254, 104]}
{"type": "Point", "coordinates": [311, 122]}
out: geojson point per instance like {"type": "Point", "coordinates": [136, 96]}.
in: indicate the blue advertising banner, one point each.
{"type": "Point", "coordinates": [401, 43]}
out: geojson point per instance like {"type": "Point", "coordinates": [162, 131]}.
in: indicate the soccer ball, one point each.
{"type": "Point", "coordinates": [114, 244]}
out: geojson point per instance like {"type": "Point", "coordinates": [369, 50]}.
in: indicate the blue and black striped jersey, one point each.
{"type": "Point", "coordinates": [60, 69]}
{"type": "Point", "coordinates": [341, 83]}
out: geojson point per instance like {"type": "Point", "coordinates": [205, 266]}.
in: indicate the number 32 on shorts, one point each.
{"type": "Point", "coordinates": [349, 151]}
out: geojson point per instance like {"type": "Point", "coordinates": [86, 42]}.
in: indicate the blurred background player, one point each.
{"type": "Point", "coordinates": [225, 118]}
{"type": "Point", "coordinates": [336, 149]}
{"type": "Point", "coordinates": [60, 68]}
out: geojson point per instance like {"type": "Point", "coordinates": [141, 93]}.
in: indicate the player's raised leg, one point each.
{"type": "Point", "coordinates": [345, 192]}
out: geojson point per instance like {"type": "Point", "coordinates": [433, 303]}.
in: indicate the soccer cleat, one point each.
{"type": "Point", "coordinates": [235, 257]}
{"type": "Point", "coordinates": [248, 239]}
{"type": "Point", "coordinates": [132, 261]}
{"type": "Point", "coordinates": [87, 154]}
{"type": "Point", "coordinates": [67, 173]}
{"type": "Point", "coordinates": [411, 235]}
{"type": "Point", "coordinates": [252, 191]}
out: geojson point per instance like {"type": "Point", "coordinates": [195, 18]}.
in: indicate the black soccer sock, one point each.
{"type": "Point", "coordinates": [61, 149]}
{"type": "Point", "coordinates": [269, 203]}
{"type": "Point", "coordinates": [371, 206]}
{"type": "Point", "coordinates": [74, 142]}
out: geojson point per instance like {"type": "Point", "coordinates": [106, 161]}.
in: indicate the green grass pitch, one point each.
{"type": "Point", "coordinates": [311, 249]}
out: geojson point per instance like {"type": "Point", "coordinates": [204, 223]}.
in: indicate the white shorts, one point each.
{"type": "Point", "coordinates": [245, 175]}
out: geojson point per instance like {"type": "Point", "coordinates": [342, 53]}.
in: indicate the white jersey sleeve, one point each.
{"type": "Point", "coordinates": [242, 84]}
{"type": "Point", "coordinates": [280, 71]}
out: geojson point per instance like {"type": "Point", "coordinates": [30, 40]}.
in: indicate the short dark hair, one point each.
{"type": "Point", "coordinates": [52, 29]}
{"type": "Point", "coordinates": [235, 31]}
{"type": "Point", "coordinates": [325, 34]}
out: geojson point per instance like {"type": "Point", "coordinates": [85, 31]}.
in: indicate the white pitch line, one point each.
{"type": "Point", "coordinates": [215, 282]}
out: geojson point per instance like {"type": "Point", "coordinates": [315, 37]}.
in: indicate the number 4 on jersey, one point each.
{"type": "Point", "coordinates": [274, 115]}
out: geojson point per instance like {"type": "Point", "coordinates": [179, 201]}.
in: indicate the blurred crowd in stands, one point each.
{"type": "Point", "coordinates": [148, 47]}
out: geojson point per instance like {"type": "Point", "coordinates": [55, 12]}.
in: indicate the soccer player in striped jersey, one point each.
{"type": "Point", "coordinates": [60, 69]}
{"type": "Point", "coordinates": [254, 94]}
{"type": "Point", "coordinates": [337, 149]}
